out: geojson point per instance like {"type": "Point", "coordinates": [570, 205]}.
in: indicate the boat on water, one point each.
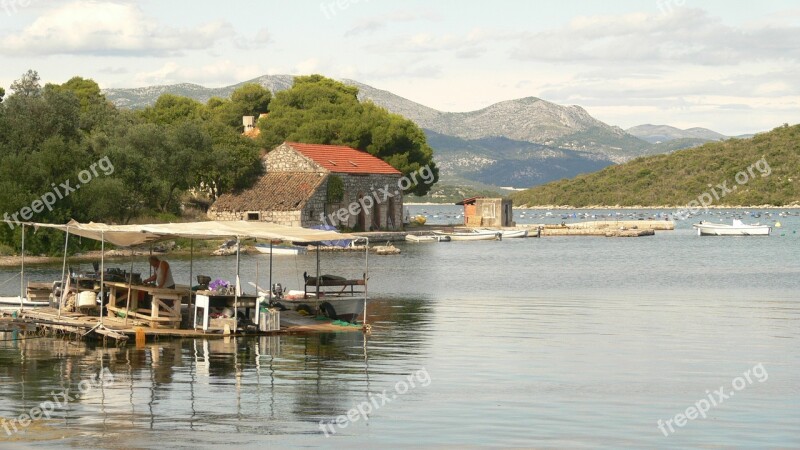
{"type": "Point", "coordinates": [507, 234]}
{"type": "Point", "coordinates": [279, 249]}
{"type": "Point", "coordinates": [335, 297]}
{"type": "Point", "coordinates": [472, 235]}
{"type": "Point", "coordinates": [737, 228]}
{"type": "Point", "coordinates": [14, 302]}
{"type": "Point", "coordinates": [434, 238]}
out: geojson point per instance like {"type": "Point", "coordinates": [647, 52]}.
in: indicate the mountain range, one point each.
{"type": "Point", "coordinates": [518, 143]}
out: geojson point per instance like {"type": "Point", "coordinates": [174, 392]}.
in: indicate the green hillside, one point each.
{"type": "Point", "coordinates": [763, 170]}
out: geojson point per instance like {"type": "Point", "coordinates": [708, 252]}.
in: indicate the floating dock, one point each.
{"type": "Point", "coordinates": [47, 320]}
{"type": "Point", "coordinates": [608, 228]}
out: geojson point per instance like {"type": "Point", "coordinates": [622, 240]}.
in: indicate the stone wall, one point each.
{"type": "Point", "coordinates": [285, 159]}
{"type": "Point", "coordinates": [288, 218]}
{"type": "Point", "coordinates": [380, 212]}
{"type": "Point", "coordinates": [317, 211]}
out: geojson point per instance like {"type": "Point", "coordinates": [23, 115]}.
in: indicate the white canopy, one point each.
{"type": "Point", "coordinates": [132, 235]}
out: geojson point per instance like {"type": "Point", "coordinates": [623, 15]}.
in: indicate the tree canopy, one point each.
{"type": "Point", "coordinates": [319, 110]}
{"type": "Point", "coordinates": [129, 164]}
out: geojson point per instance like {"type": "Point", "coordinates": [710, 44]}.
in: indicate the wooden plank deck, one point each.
{"type": "Point", "coordinates": [291, 322]}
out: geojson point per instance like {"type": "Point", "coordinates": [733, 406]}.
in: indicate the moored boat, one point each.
{"type": "Point", "coordinates": [14, 302]}
{"type": "Point", "coordinates": [279, 250]}
{"type": "Point", "coordinates": [417, 239]}
{"type": "Point", "coordinates": [472, 235]}
{"type": "Point", "coordinates": [737, 228]}
{"type": "Point", "coordinates": [506, 234]}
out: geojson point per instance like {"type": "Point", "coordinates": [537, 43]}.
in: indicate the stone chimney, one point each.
{"type": "Point", "coordinates": [249, 123]}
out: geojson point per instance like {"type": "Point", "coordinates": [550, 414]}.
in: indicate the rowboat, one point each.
{"type": "Point", "coordinates": [335, 297]}
{"type": "Point", "coordinates": [507, 234]}
{"type": "Point", "coordinates": [280, 250]}
{"type": "Point", "coordinates": [472, 235]}
{"type": "Point", "coordinates": [418, 239]}
{"type": "Point", "coordinates": [737, 228]}
{"type": "Point", "coordinates": [13, 302]}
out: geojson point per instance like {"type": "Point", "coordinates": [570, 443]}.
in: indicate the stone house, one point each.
{"type": "Point", "coordinates": [488, 212]}
{"type": "Point", "coordinates": [313, 184]}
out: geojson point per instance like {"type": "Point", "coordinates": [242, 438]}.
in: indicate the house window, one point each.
{"type": "Point", "coordinates": [254, 216]}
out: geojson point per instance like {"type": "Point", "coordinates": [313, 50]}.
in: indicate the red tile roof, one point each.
{"type": "Point", "coordinates": [341, 159]}
{"type": "Point", "coordinates": [274, 191]}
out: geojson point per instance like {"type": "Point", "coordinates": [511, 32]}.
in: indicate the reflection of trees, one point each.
{"type": "Point", "coordinates": [234, 384]}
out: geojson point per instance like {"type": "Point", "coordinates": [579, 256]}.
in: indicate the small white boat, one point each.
{"type": "Point", "coordinates": [417, 239]}
{"type": "Point", "coordinates": [280, 250]}
{"type": "Point", "coordinates": [507, 234]}
{"type": "Point", "coordinates": [737, 228]}
{"type": "Point", "coordinates": [13, 302]}
{"type": "Point", "coordinates": [472, 235]}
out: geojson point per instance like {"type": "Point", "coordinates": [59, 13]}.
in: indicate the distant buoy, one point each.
{"type": "Point", "coordinates": [777, 224]}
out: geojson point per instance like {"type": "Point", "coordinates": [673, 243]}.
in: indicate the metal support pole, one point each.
{"type": "Point", "coordinates": [190, 309]}
{"type": "Point", "coordinates": [102, 270]}
{"type": "Point", "coordinates": [236, 291]}
{"type": "Point", "coordinates": [22, 271]}
{"type": "Point", "coordinates": [63, 272]}
{"type": "Point", "coordinates": [366, 280]}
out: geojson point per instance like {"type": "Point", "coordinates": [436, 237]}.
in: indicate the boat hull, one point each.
{"type": "Point", "coordinates": [477, 236]}
{"type": "Point", "coordinates": [732, 230]}
{"type": "Point", "coordinates": [508, 234]}
{"type": "Point", "coordinates": [417, 239]}
{"type": "Point", "coordinates": [275, 250]}
{"type": "Point", "coordinates": [348, 309]}
{"type": "Point", "coordinates": [13, 302]}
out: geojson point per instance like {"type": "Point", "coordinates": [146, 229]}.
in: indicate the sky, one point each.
{"type": "Point", "coordinates": [731, 66]}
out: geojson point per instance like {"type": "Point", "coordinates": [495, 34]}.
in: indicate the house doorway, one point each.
{"type": "Point", "coordinates": [361, 224]}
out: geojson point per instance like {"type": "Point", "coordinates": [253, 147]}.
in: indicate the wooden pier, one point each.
{"type": "Point", "coordinates": [47, 320]}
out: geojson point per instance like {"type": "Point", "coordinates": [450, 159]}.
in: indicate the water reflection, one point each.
{"type": "Point", "coordinates": [221, 385]}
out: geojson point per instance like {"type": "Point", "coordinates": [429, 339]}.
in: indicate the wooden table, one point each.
{"type": "Point", "coordinates": [204, 300]}
{"type": "Point", "coordinates": [165, 309]}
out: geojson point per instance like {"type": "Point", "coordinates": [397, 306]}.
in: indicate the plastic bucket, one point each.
{"type": "Point", "coordinates": [87, 299]}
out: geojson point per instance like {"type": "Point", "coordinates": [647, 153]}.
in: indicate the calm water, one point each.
{"type": "Point", "coordinates": [554, 342]}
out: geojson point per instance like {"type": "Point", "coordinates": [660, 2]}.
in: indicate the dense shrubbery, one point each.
{"type": "Point", "coordinates": [148, 163]}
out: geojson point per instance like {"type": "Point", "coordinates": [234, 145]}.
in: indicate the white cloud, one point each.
{"type": "Point", "coordinates": [220, 73]}
{"type": "Point", "coordinates": [375, 23]}
{"type": "Point", "coordinates": [91, 27]}
{"type": "Point", "coordinates": [684, 35]}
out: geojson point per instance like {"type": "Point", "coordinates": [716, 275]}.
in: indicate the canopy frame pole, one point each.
{"type": "Point", "coordinates": [190, 309]}
{"type": "Point", "coordinates": [63, 272]}
{"type": "Point", "coordinates": [269, 288]}
{"type": "Point", "coordinates": [22, 272]}
{"type": "Point", "coordinates": [130, 288]}
{"type": "Point", "coordinates": [102, 270]}
{"type": "Point", "coordinates": [366, 281]}
{"type": "Point", "coordinates": [236, 291]}
{"type": "Point", "coordinates": [317, 280]}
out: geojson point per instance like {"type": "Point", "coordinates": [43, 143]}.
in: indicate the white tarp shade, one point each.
{"type": "Point", "coordinates": [132, 235]}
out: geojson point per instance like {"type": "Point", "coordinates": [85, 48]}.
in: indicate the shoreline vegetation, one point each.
{"type": "Point", "coordinates": [795, 205]}
{"type": "Point", "coordinates": [205, 249]}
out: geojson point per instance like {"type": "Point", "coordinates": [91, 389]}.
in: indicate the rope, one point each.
{"type": "Point", "coordinates": [10, 279]}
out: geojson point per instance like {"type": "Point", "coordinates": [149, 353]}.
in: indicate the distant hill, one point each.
{"type": "Point", "coordinates": [518, 143]}
{"type": "Point", "coordinates": [664, 133]}
{"type": "Point", "coordinates": [501, 161]}
{"type": "Point", "coordinates": [678, 178]}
